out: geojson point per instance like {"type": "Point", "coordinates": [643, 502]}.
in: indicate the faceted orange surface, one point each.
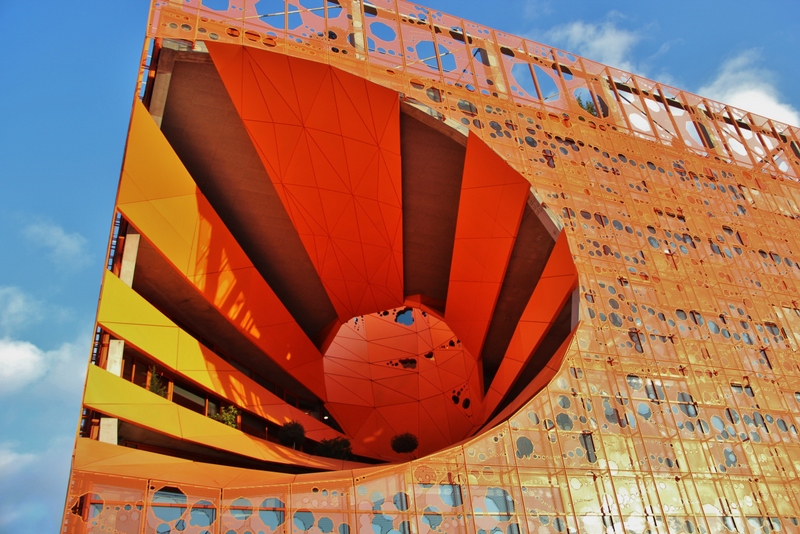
{"type": "Point", "coordinates": [493, 196]}
{"type": "Point", "coordinates": [331, 144]}
{"type": "Point", "coordinates": [675, 407]}
{"type": "Point", "coordinates": [402, 370]}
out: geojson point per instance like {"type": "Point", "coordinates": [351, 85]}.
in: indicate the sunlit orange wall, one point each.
{"type": "Point", "coordinates": [676, 408]}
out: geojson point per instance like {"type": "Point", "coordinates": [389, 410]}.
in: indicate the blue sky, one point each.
{"type": "Point", "coordinates": [69, 82]}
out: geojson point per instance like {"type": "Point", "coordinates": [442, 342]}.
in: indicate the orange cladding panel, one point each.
{"type": "Point", "coordinates": [330, 142]}
{"type": "Point", "coordinates": [673, 404]}
{"type": "Point", "coordinates": [493, 196]}
{"type": "Point", "coordinates": [559, 279]}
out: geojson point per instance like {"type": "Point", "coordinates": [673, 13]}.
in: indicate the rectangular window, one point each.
{"type": "Point", "coordinates": [309, 408]}
{"type": "Point", "coordinates": [772, 328]}
{"type": "Point", "coordinates": [213, 407]}
{"type": "Point", "coordinates": [241, 368]}
{"type": "Point", "coordinates": [743, 389]}
{"type": "Point", "coordinates": [765, 357]}
{"type": "Point", "coordinates": [253, 425]}
{"type": "Point", "coordinates": [127, 368]}
{"type": "Point", "coordinates": [182, 395]}
{"type": "Point", "coordinates": [588, 443]}
{"type": "Point", "coordinates": [140, 374]}
{"type": "Point", "coordinates": [654, 390]}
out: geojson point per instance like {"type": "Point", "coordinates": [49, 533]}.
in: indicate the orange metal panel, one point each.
{"type": "Point", "coordinates": [388, 363]}
{"type": "Point", "coordinates": [330, 142]}
{"type": "Point", "coordinates": [94, 457]}
{"type": "Point", "coordinates": [493, 196]}
{"type": "Point", "coordinates": [559, 279]}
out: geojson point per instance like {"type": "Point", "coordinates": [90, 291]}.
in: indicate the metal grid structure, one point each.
{"type": "Point", "coordinates": [674, 407]}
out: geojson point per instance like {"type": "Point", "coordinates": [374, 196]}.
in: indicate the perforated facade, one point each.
{"type": "Point", "coordinates": [576, 287]}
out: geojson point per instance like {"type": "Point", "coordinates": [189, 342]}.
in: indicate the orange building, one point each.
{"type": "Point", "coordinates": [577, 288]}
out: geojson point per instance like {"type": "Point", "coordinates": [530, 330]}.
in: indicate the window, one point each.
{"type": "Point", "coordinates": [588, 444]}
{"type": "Point", "coordinates": [687, 404]}
{"type": "Point", "coordinates": [169, 504]}
{"type": "Point", "coordinates": [186, 396]}
{"type": "Point", "coordinates": [654, 390]}
{"type": "Point", "coordinates": [253, 425]}
{"type": "Point", "coordinates": [638, 340]}
{"type": "Point", "coordinates": [139, 374]}
{"type": "Point", "coordinates": [772, 328]}
{"type": "Point", "coordinates": [765, 358]}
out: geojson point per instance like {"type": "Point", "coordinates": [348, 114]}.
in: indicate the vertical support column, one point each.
{"type": "Point", "coordinates": [129, 254]}
{"type": "Point", "coordinates": [109, 426]}
{"type": "Point", "coordinates": [109, 430]}
{"type": "Point", "coordinates": [158, 97]}
{"type": "Point", "coordinates": [359, 39]}
{"type": "Point", "coordinates": [494, 64]}
{"type": "Point", "coordinates": [114, 358]}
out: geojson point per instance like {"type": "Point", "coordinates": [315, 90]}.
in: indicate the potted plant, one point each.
{"type": "Point", "coordinates": [292, 434]}
{"type": "Point", "coordinates": [157, 384]}
{"type": "Point", "coordinates": [338, 448]}
{"type": "Point", "coordinates": [405, 443]}
{"type": "Point", "coordinates": [228, 415]}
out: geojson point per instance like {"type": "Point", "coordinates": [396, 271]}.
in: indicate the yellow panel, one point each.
{"type": "Point", "coordinates": [129, 192]}
{"type": "Point", "coordinates": [113, 396]}
{"type": "Point", "coordinates": [120, 304]}
{"type": "Point", "coordinates": [116, 397]}
{"type": "Point", "coordinates": [130, 317]}
{"type": "Point", "coordinates": [150, 161]}
{"type": "Point", "coordinates": [156, 226]}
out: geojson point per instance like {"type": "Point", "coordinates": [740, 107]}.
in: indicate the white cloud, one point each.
{"type": "Point", "coordinates": [41, 390]}
{"type": "Point", "coordinates": [33, 486]}
{"type": "Point", "coordinates": [533, 9]}
{"type": "Point", "coordinates": [66, 366]}
{"type": "Point", "coordinates": [603, 42]}
{"type": "Point", "coordinates": [20, 364]}
{"type": "Point", "coordinates": [17, 309]}
{"type": "Point", "coordinates": [11, 461]}
{"type": "Point", "coordinates": [65, 249]}
{"type": "Point", "coordinates": [23, 364]}
{"type": "Point", "coordinates": [742, 83]}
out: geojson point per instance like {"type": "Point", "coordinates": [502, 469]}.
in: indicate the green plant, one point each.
{"type": "Point", "coordinates": [338, 448]}
{"type": "Point", "coordinates": [157, 384]}
{"type": "Point", "coordinates": [228, 415]}
{"type": "Point", "coordinates": [292, 434]}
{"type": "Point", "coordinates": [405, 443]}
{"type": "Point", "coordinates": [587, 105]}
